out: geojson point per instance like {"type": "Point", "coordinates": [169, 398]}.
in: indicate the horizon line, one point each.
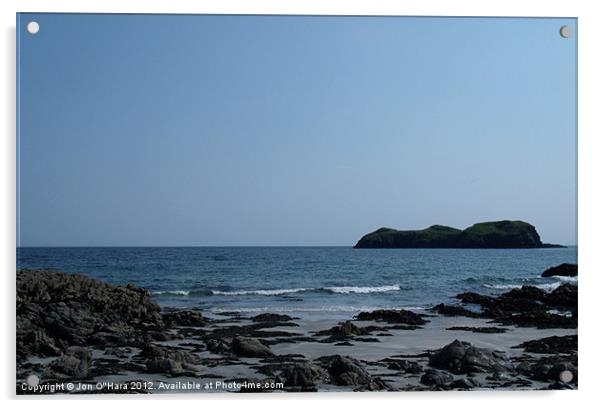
{"type": "Point", "coordinates": [240, 246]}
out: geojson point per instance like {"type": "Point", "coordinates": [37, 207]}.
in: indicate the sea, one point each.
{"type": "Point", "coordinates": [310, 282]}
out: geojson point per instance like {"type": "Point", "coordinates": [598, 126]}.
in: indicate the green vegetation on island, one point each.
{"type": "Point", "coordinates": [494, 234]}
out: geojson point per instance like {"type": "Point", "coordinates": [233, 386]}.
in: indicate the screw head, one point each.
{"type": "Point", "coordinates": [565, 31]}
{"type": "Point", "coordinates": [33, 27]}
{"type": "Point", "coordinates": [32, 380]}
{"type": "Point", "coordinates": [566, 376]}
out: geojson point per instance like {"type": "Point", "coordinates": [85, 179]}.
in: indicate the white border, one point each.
{"type": "Point", "coordinates": [590, 202]}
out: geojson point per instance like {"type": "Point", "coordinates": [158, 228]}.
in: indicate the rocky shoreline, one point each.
{"type": "Point", "coordinates": [74, 329]}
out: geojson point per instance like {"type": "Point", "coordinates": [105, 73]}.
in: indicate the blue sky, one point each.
{"type": "Point", "coordinates": [257, 130]}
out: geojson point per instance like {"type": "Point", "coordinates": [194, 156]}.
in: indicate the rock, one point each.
{"type": "Point", "coordinates": [540, 320]}
{"type": "Point", "coordinates": [549, 369]}
{"type": "Point", "coordinates": [376, 384]}
{"type": "Point", "coordinates": [303, 375]}
{"type": "Point", "coordinates": [190, 318]}
{"type": "Point", "coordinates": [393, 316]}
{"type": "Point", "coordinates": [121, 352]}
{"type": "Point", "coordinates": [499, 376]}
{"type": "Point", "coordinates": [462, 358]}
{"type": "Point", "coordinates": [496, 234]}
{"type": "Point", "coordinates": [528, 306]}
{"type": "Point", "coordinates": [219, 345]}
{"type": "Point", "coordinates": [271, 317]}
{"type": "Point", "coordinates": [526, 292]}
{"type": "Point", "coordinates": [152, 352]}
{"type": "Point", "coordinates": [39, 343]}
{"type": "Point", "coordinates": [479, 329]}
{"type": "Point", "coordinates": [475, 298]}
{"type": "Point", "coordinates": [345, 370]}
{"type": "Point", "coordinates": [343, 330]}
{"type": "Point", "coordinates": [436, 377]}
{"type": "Point", "coordinates": [465, 383]}
{"type": "Point", "coordinates": [557, 369]}
{"type": "Point", "coordinates": [564, 269]}
{"type": "Point", "coordinates": [564, 295]}
{"type": "Point", "coordinates": [409, 367]}
{"type": "Point", "coordinates": [74, 364]}
{"type": "Point", "coordinates": [173, 361]}
{"type": "Point", "coordinates": [551, 345]}
{"type": "Point", "coordinates": [249, 347]}
{"type": "Point", "coordinates": [164, 365]}
{"type": "Point", "coordinates": [447, 310]}
{"type": "Point", "coordinates": [57, 310]}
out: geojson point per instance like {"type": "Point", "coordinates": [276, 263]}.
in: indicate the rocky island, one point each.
{"type": "Point", "coordinates": [494, 234]}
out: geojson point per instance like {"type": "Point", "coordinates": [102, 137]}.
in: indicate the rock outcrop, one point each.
{"type": "Point", "coordinates": [461, 357]}
{"type": "Point", "coordinates": [564, 269]}
{"type": "Point", "coordinates": [495, 234]}
{"type": "Point", "coordinates": [56, 311]}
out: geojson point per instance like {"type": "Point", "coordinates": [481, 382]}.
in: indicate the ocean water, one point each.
{"type": "Point", "coordinates": [310, 281]}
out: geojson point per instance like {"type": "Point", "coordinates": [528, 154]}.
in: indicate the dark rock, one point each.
{"type": "Point", "coordinates": [345, 329]}
{"type": "Point", "coordinates": [219, 345]}
{"type": "Point", "coordinates": [479, 329]}
{"type": "Point", "coordinates": [57, 310]}
{"type": "Point", "coordinates": [74, 364]}
{"type": "Point", "coordinates": [475, 298]}
{"type": "Point", "coordinates": [121, 352]}
{"type": "Point", "coordinates": [271, 317]}
{"type": "Point", "coordinates": [557, 369]}
{"type": "Point", "coordinates": [152, 352]}
{"type": "Point", "coordinates": [549, 369]}
{"type": "Point", "coordinates": [393, 316]}
{"type": "Point", "coordinates": [376, 384]}
{"type": "Point", "coordinates": [165, 366]}
{"type": "Point", "coordinates": [303, 375]}
{"type": "Point", "coordinates": [366, 339]}
{"type": "Point", "coordinates": [528, 306]}
{"type": "Point", "coordinates": [436, 377]}
{"type": "Point", "coordinates": [564, 269]}
{"type": "Point", "coordinates": [167, 360]}
{"type": "Point", "coordinates": [449, 310]}
{"type": "Point", "coordinates": [540, 320]}
{"type": "Point", "coordinates": [551, 345]}
{"type": "Point", "coordinates": [462, 358]}
{"type": "Point", "coordinates": [564, 295]}
{"type": "Point", "coordinates": [192, 318]}
{"type": "Point", "coordinates": [526, 292]}
{"type": "Point", "coordinates": [249, 347]}
{"type": "Point", "coordinates": [409, 367]}
{"type": "Point", "coordinates": [345, 370]}
{"type": "Point", "coordinates": [465, 383]}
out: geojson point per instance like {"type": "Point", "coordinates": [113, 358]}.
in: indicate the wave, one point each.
{"type": "Point", "coordinates": [308, 309]}
{"type": "Point", "coordinates": [570, 279]}
{"type": "Point", "coordinates": [545, 286]}
{"type": "Point", "coordinates": [182, 293]}
{"type": "Point", "coordinates": [278, 292]}
{"type": "Point", "coordinates": [366, 289]}
{"type": "Point", "coordinates": [261, 292]}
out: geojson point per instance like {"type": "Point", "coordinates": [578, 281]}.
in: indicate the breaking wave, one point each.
{"type": "Point", "coordinates": [278, 292]}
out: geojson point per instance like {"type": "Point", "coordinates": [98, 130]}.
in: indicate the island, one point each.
{"type": "Point", "coordinates": [493, 234]}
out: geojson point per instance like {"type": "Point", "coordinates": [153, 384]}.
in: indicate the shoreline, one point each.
{"type": "Point", "coordinates": [77, 329]}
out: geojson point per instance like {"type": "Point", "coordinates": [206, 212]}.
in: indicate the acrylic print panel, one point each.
{"type": "Point", "coordinates": [295, 203]}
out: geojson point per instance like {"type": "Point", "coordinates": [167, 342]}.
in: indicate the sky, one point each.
{"type": "Point", "coordinates": [182, 130]}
